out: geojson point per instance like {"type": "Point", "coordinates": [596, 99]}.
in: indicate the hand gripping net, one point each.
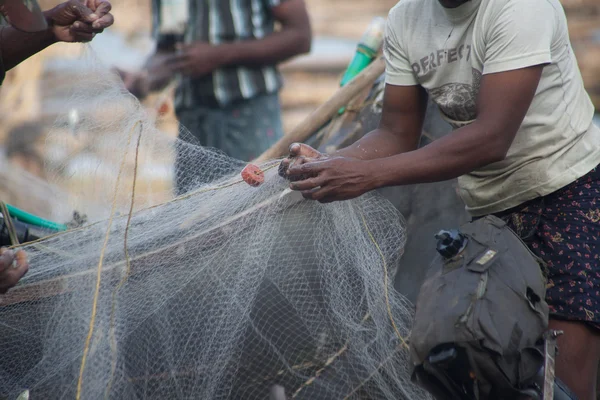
{"type": "Point", "coordinates": [219, 293]}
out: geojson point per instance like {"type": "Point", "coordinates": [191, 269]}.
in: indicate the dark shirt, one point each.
{"type": "Point", "coordinates": [220, 21]}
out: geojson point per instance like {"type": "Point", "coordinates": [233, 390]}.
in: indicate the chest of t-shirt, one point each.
{"type": "Point", "coordinates": [444, 63]}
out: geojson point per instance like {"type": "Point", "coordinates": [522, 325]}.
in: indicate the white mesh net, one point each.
{"type": "Point", "coordinates": [219, 293]}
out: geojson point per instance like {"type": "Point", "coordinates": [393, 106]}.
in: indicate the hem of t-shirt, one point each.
{"type": "Point", "coordinates": [400, 80]}
{"type": "Point", "coordinates": [556, 183]}
{"type": "Point", "coordinates": [517, 62]}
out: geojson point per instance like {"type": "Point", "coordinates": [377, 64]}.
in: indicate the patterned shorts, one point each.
{"type": "Point", "coordinates": [563, 229]}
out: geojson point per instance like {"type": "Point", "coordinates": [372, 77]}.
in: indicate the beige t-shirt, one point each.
{"type": "Point", "coordinates": [448, 50]}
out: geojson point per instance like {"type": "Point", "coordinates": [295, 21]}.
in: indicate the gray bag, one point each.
{"type": "Point", "coordinates": [480, 316]}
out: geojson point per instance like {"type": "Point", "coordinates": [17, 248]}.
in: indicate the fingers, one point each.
{"type": "Point", "coordinates": [82, 12]}
{"type": "Point", "coordinates": [11, 277]}
{"type": "Point", "coordinates": [100, 7]}
{"type": "Point", "coordinates": [300, 149]}
{"type": "Point", "coordinates": [184, 47]}
{"type": "Point", "coordinates": [299, 154]}
{"type": "Point", "coordinates": [83, 37]}
{"type": "Point", "coordinates": [317, 194]}
{"type": "Point", "coordinates": [7, 258]}
{"type": "Point", "coordinates": [178, 62]}
{"type": "Point", "coordinates": [176, 59]}
{"type": "Point", "coordinates": [103, 22]}
{"type": "Point", "coordinates": [283, 166]}
{"type": "Point", "coordinates": [287, 163]}
{"type": "Point", "coordinates": [13, 266]}
{"type": "Point", "coordinates": [305, 166]}
{"type": "Point", "coordinates": [82, 31]}
{"type": "Point", "coordinates": [307, 184]}
{"type": "Point", "coordinates": [95, 15]}
{"type": "Point", "coordinates": [103, 17]}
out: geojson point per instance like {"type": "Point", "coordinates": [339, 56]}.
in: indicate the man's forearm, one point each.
{"type": "Point", "coordinates": [380, 143]}
{"type": "Point", "coordinates": [17, 46]}
{"type": "Point", "coordinates": [459, 153]}
{"type": "Point", "coordinates": [273, 49]}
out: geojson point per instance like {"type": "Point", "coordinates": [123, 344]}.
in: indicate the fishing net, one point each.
{"type": "Point", "coordinates": [218, 293]}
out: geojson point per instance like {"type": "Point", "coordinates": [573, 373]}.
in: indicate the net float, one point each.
{"type": "Point", "coordinates": [253, 175]}
{"type": "Point", "coordinates": [164, 108]}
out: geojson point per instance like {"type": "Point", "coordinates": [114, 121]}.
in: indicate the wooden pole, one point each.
{"type": "Point", "coordinates": [327, 110]}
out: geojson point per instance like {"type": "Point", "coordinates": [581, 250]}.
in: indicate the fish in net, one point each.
{"type": "Point", "coordinates": [219, 293]}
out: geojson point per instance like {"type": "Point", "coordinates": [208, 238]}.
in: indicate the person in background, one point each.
{"type": "Point", "coordinates": [25, 31]}
{"type": "Point", "coordinates": [524, 146]}
{"type": "Point", "coordinates": [21, 147]}
{"type": "Point", "coordinates": [226, 54]}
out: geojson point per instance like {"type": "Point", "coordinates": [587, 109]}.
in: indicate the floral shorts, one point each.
{"type": "Point", "coordinates": [563, 229]}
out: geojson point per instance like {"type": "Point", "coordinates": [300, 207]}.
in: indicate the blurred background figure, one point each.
{"type": "Point", "coordinates": [23, 147]}
{"type": "Point", "coordinates": [226, 56]}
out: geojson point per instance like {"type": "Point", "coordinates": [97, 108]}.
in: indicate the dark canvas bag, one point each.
{"type": "Point", "coordinates": [480, 316]}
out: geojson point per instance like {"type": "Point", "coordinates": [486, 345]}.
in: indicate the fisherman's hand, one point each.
{"type": "Point", "coordinates": [79, 20]}
{"type": "Point", "coordinates": [197, 59]}
{"type": "Point", "coordinates": [333, 178]}
{"type": "Point", "coordinates": [12, 268]}
{"type": "Point", "coordinates": [138, 83]}
{"type": "Point", "coordinates": [299, 154]}
{"type": "Point", "coordinates": [155, 76]}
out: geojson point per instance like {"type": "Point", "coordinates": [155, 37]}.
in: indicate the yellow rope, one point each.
{"type": "Point", "coordinates": [344, 348]}
{"type": "Point", "coordinates": [329, 361]}
{"type": "Point", "coordinates": [99, 273]}
{"type": "Point", "coordinates": [127, 268]}
{"type": "Point", "coordinates": [368, 378]}
{"type": "Point", "coordinates": [385, 282]}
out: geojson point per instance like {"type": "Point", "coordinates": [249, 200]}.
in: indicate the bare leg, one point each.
{"type": "Point", "coordinates": [578, 357]}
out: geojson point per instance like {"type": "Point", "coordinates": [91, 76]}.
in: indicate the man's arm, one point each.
{"type": "Point", "coordinates": [294, 38]}
{"type": "Point", "coordinates": [504, 100]}
{"type": "Point", "coordinates": [399, 130]}
{"type": "Point", "coordinates": [17, 46]}
{"type": "Point", "coordinates": [71, 21]}
{"type": "Point", "coordinates": [400, 127]}
{"type": "Point", "coordinates": [517, 47]}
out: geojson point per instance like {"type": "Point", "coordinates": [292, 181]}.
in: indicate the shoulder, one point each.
{"type": "Point", "coordinates": [407, 10]}
{"type": "Point", "coordinates": [407, 16]}
{"type": "Point", "coordinates": [491, 9]}
{"type": "Point", "coordinates": [508, 18]}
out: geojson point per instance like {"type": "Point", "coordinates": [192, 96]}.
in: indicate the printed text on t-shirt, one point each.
{"type": "Point", "coordinates": [436, 59]}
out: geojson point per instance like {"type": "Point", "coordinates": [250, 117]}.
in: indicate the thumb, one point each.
{"type": "Point", "coordinates": [299, 149]}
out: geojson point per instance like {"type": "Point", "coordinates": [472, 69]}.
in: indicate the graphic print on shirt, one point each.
{"type": "Point", "coordinates": [458, 101]}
